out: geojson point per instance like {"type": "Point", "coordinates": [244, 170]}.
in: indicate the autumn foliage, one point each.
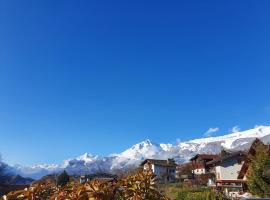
{"type": "Point", "coordinates": [138, 186]}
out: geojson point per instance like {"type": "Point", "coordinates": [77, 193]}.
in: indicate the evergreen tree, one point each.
{"type": "Point", "coordinates": [63, 179]}
{"type": "Point", "coordinates": [223, 152]}
{"type": "Point", "coordinates": [258, 174]}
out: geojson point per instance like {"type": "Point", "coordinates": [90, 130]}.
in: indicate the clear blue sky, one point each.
{"type": "Point", "coordinates": [99, 76]}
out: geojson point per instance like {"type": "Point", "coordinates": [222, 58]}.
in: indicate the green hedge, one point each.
{"type": "Point", "coordinates": [198, 194]}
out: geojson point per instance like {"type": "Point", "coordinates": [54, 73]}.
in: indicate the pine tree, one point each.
{"type": "Point", "coordinates": [223, 152]}
{"type": "Point", "coordinates": [62, 179]}
{"type": "Point", "coordinates": [258, 174]}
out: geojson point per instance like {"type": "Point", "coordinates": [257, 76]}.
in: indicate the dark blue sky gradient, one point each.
{"type": "Point", "coordinates": [99, 76]}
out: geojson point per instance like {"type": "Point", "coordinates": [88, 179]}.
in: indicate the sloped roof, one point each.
{"type": "Point", "coordinates": [165, 163]}
{"type": "Point", "coordinates": [226, 157]}
{"type": "Point", "coordinates": [100, 175]}
{"type": "Point", "coordinates": [204, 157]}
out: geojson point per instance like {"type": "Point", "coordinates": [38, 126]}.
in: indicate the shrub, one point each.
{"type": "Point", "coordinates": [198, 194]}
{"type": "Point", "coordinates": [138, 186]}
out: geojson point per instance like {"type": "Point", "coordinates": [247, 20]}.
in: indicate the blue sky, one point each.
{"type": "Point", "coordinates": [99, 76]}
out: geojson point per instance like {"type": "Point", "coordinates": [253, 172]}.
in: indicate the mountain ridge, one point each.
{"type": "Point", "coordinates": [181, 152]}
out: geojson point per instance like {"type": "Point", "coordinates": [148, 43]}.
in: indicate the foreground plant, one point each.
{"type": "Point", "coordinates": [138, 186]}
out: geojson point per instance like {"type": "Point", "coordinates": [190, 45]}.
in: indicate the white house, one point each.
{"type": "Point", "coordinates": [226, 170]}
{"type": "Point", "coordinates": [165, 170]}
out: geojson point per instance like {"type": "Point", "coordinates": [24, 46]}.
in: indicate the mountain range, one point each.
{"type": "Point", "coordinates": [10, 181]}
{"type": "Point", "coordinates": [132, 157]}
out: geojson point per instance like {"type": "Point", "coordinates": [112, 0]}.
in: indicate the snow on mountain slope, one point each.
{"type": "Point", "coordinates": [132, 157]}
{"type": "Point", "coordinates": [137, 153]}
{"type": "Point", "coordinates": [230, 141]}
{"type": "Point", "coordinates": [234, 141]}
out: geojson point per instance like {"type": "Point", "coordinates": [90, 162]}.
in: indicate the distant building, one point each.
{"type": "Point", "coordinates": [83, 179]}
{"type": "Point", "coordinates": [199, 163]}
{"type": "Point", "coordinates": [165, 170]}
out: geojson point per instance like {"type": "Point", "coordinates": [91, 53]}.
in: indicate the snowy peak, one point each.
{"type": "Point", "coordinates": [144, 148]}
{"type": "Point", "coordinates": [142, 145]}
{"type": "Point", "coordinates": [87, 157]}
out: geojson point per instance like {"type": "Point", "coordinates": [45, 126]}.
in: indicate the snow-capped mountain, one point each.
{"type": "Point", "coordinates": [132, 157]}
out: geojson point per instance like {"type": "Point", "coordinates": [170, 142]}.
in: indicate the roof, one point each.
{"type": "Point", "coordinates": [165, 163]}
{"type": "Point", "coordinates": [204, 157]}
{"type": "Point", "coordinates": [226, 157]}
{"type": "Point", "coordinates": [182, 165]}
{"type": "Point", "coordinates": [100, 176]}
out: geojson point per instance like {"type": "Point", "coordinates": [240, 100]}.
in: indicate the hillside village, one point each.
{"type": "Point", "coordinates": [227, 172]}
{"type": "Point", "coordinates": [227, 175]}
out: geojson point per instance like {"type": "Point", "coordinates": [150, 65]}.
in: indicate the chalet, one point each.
{"type": "Point", "coordinates": [165, 170]}
{"type": "Point", "coordinates": [199, 161]}
{"type": "Point", "coordinates": [252, 152]}
{"type": "Point", "coordinates": [226, 169]}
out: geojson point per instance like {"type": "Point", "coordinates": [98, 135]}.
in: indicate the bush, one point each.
{"type": "Point", "coordinates": [138, 186]}
{"type": "Point", "coordinates": [198, 194]}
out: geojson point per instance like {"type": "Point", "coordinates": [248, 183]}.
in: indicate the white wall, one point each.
{"type": "Point", "coordinates": [159, 171]}
{"type": "Point", "coordinates": [199, 171]}
{"type": "Point", "coordinates": [228, 170]}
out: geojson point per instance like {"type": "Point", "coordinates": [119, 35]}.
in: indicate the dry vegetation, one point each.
{"type": "Point", "coordinates": [138, 186]}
